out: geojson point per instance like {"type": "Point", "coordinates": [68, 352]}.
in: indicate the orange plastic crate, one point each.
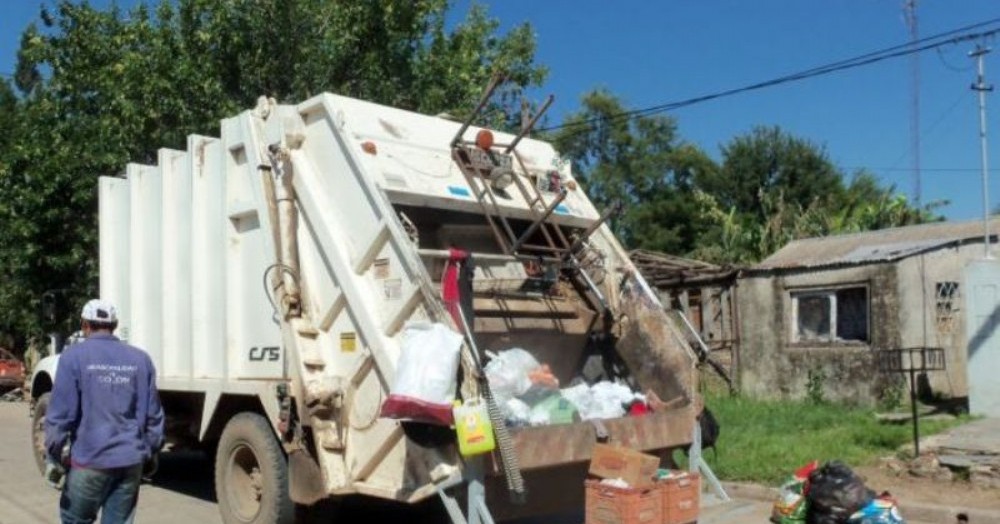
{"type": "Point", "coordinates": [613, 505]}
{"type": "Point", "coordinates": [681, 498]}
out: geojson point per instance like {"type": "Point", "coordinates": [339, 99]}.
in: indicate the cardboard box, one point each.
{"type": "Point", "coordinates": [612, 505]}
{"type": "Point", "coordinates": [611, 462]}
{"type": "Point", "coordinates": [681, 497]}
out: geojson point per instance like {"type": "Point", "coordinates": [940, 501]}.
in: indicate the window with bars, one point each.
{"type": "Point", "coordinates": [830, 315]}
{"type": "Point", "coordinates": [947, 304]}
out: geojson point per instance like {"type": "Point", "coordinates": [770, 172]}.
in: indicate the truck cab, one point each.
{"type": "Point", "coordinates": [43, 376]}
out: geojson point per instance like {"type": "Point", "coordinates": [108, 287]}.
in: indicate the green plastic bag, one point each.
{"type": "Point", "coordinates": [560, 410]}
{"type": "Point", "coordinates": [792, 505]}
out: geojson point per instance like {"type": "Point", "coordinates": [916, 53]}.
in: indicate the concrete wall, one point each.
{"type": "Point", "coordinates": [903, 313]}
{"type": "Point", "coordinates": [773, 366]}
{"type": "Point", "coordinates": [920, 322]}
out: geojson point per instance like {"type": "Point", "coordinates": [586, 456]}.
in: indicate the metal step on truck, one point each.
{"type": "Point", "coordinates": [270, 273]}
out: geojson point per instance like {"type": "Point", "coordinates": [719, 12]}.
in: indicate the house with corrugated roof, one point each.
{"type": "Point", "coordinates": [814, 314]}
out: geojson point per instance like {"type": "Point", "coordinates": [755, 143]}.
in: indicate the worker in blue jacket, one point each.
{"type": "Point", "coordinates": [104, 422]}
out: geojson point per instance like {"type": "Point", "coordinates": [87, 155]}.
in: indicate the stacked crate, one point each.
{"type": "Point", "coordinates": [643, 499]}
{"type": "Point", "coordinates": [681, 497]}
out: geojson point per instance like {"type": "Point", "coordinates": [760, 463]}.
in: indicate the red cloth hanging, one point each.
{"type": "Point", "coordinates": [450, 292]}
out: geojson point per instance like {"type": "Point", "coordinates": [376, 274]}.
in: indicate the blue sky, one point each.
{"type": "Point", "coordinates": [651, 52]}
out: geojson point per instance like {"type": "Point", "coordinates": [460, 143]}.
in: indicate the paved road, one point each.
{"type": "Point", "coordinates": [26, 499]}
{"type": "Point", "coordinates": [183, 492]}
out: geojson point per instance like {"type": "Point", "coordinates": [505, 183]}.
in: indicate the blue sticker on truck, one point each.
{"type": "Point", "coordinates": [458, 191]}
{"type": "Point", "coordinates": [562, 209]}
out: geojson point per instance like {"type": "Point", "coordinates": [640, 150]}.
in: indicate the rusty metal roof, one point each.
{"type": "Point", "coordinates": [885, 245]}
{"type": "Point", "coordinates": [663, 270]}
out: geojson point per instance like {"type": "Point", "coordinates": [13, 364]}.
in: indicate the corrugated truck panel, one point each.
{"type": "Point", "coordinates": [208, 266]}
{"type": "Point", "coordinates": [146, 265]}
{"type": "Point", "coordinates": [176, 254]}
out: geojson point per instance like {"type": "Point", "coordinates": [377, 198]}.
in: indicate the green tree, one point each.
{"type": "Point", "coordinates": [866, 205]}
{"type": "Point", "coordinates": [774, 188]}
{"type": "Point", "coordinates": [769, 160]}
{"type": "Point", "coordinates": [734, 238]}
{"type": "Point", "coordinates": [398, 52]}
{"type": "Point", "coordinates": [8, 117]}
{"type": "Point", "coordinates": [99, 89]}
{"type": "Point", "coordinates": [640, 163]}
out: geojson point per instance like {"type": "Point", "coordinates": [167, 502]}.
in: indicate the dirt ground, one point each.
{"type": "Point", "coordinates": [928, 491]}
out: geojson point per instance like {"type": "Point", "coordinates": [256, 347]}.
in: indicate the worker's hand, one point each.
{"type": "Point", "coordinates": [150, 466]}
{"type": "Point", "coordinates": [64, 455]}
{"type": "Point", "coordinates": [55, 474]}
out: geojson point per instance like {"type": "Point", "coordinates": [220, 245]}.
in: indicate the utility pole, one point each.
{"type": "Point", "coordinates": [981, 87]}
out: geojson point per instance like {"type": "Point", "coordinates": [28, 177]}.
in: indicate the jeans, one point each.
{"type": "Point", "coordinates": [112, 491]}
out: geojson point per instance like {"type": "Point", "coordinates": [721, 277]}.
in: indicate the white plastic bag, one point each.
{"type": "Point", "coordinates": [539, 416]}
{"type": "Point", "coordinates": [516, 412]}
{"type": "Point", "coordinates": [579, 396]}
{"type": "Point", "coordinates": [601, 401]}
{"type": "Point", "coordinates": [610, 399]}
{"type": "Point", "coordinates": [508, 374]}
{"type": "Point", "coordinates": [426, 374]}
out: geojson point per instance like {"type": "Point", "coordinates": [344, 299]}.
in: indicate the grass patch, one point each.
{"type": "Point", "coordinates": [764, 440]}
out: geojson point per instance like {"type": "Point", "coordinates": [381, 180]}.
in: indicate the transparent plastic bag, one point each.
{"type": "Point", "coordinates": [509, 374]}
{"type": "Point", "coordinates": [603, 400]}
{"type": "Point", "coordinates": [516, 412]}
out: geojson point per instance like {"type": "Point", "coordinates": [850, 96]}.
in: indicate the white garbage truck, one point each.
{"type": "Point", "coordinates": [270, 272]}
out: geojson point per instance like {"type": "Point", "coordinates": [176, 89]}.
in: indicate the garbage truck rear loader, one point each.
{"type": "Point", "coordinates": [270, 273]}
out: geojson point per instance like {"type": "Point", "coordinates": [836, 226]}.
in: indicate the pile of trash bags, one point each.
{"type": "Point", "coordinates": [529, 394]}
{"type": "Point", "coordinates": [832, 494]}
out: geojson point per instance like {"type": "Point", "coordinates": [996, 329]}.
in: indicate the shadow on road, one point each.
{"type": "Point", "coordinates": [186, 472]}
{"type": "Point", "coordinates": [367, 509]}
{"type": "Point", "coordinates": [362, 509]}
{"type": "Point", "coordinates": [191, 473]}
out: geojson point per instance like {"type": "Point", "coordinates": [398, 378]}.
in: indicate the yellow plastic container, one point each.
{"type": "Point", "coordinates": [472, 424]}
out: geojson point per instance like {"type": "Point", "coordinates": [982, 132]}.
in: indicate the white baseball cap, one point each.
{"type": "Point", "coordinates": [98, 310]}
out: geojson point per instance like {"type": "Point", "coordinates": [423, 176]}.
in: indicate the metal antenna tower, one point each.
{"type": "Point", "coordinates": [910, 12]}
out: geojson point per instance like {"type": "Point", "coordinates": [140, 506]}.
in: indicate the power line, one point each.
{"type": "Point", "coordinates": [930, 169]}
{"type": "Point", "coordinates": [926, 132]}
{"type": "Point", "coordinates": [948, 64]}
{"type": "Point", "coordinates": [953, 36]}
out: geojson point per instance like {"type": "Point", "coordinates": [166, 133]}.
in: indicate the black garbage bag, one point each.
{"type": "Point", "coordinates": [709, 429]}
{"type": "Point", "coordinates": [835, 493]}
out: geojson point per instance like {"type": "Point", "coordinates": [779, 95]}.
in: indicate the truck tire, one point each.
{"type": "Point", "coordinates": [251, 474]}
{"type": "Point", "coordinates": [38, 431]}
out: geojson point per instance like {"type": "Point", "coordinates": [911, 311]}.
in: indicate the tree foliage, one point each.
{"type": "Point", "coordinates": [770, 187]}
{"type": "Point", "coordinates": [95, 89]}
{"type": "Point", "coordinates": [641, 164]}
{"type": "Point", "coordinates": [863, 205]}
{"type": "Point", "coordinates": [395, 52]}
{"type": "Point", "coordinates": [768, 160]}
{"type": "Point", "coordinates": [101, 88]}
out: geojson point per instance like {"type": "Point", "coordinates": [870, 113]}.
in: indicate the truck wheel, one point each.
{"type": "Point", "coordinates": [251, 474]}
{"type": "Point", "coordinates": [38, 430]}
